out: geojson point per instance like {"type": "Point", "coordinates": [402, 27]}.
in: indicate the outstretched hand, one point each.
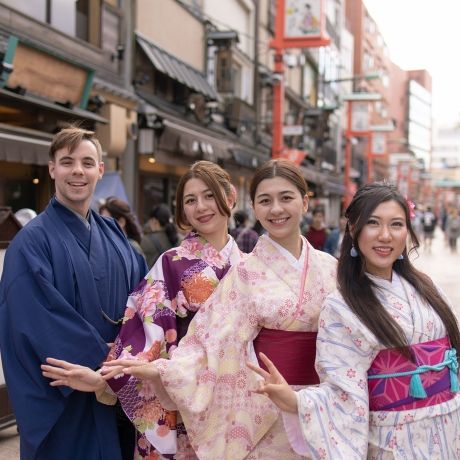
{"type": "Point", "coordinates": [275, 386]}
{"type": "Point", "coordinates": [81, 378]}
{"type": "Point", "coordinates": [140, 369]}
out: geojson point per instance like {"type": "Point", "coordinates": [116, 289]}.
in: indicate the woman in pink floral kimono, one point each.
{"type": "Point", "coordinates": [386, 351]}
{"type": "Point", "coordinates": [159, 311]}
{"type": "Point", "coordinates": [269, 301]}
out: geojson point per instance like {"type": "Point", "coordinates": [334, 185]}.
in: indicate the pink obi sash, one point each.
{"type": "Point", "coordinates": [292, 352]}
{"type": "Point", "coordinates": [397, 383]}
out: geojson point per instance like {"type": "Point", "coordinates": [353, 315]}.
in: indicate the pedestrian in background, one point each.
{"type": "Point", "coordinates": [25, 215]}
{"type": "Point", "coordinates": [63, 292]}
{"type": "Point", "coordinates": [317, 232]}
{"type": "Point", "coordinates": [123, 214]}
{"type": "Point", "coordinates": [429, 224]}
{"type": "Point", "coordinates": [453, 228]}
{"type": "Point", "coordinates": [161, 308]}
{"type": "Point", "coordinates": [245, 237]}
{"type": "Point", "coordinates": [386, 350]}
{"type": "Point", "coordinates": [160, 234]}
{"type": "Point", "coordinates": [335, 237]}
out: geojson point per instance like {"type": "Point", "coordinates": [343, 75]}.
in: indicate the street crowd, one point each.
{"type": "Point", "coordinates": [282, 341]}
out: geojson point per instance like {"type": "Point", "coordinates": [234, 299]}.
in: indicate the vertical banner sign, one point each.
{"type": "Point", "coordinates": [360, 117]}
{"type": "Point", "coordinates": [378, 144]}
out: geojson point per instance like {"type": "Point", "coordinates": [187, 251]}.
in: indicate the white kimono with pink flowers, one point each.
{"type": "Point", "coordinates": [334, 421]}
{"type": "Point", "coordinates": [207, 377]}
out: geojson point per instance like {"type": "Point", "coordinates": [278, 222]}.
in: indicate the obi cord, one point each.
{"type": "Point", "coordinates": [416, 389]}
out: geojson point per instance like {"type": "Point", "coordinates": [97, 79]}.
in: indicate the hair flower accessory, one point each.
{"type": "Point", "coordinates": [411, 207]}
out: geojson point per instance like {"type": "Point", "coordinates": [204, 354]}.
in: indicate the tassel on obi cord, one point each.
{"type": "Point", "coordinates": [416, 389]}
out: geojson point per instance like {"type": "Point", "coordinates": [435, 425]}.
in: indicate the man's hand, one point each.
{"type": "Point", "coordinates": [275, 386]}
{"type": "Point", "coordinates": [81, 378]}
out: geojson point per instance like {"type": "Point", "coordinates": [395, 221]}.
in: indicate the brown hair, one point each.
{"type": "Point", "coordinates": [215, 178]}
{"type": "Point", "coordinates": [71, 137]}
{"type": "Point", "coordinates": [278, 168]}
{"type": "Point", "coordinates": [118, 208]}
{"type": "Point", "coordinates": [357, 288]}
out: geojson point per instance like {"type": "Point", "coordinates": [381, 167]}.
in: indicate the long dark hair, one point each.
{"type": "Point", "coordinates": [162, 214]}
{"type": "Point", "coordinates": [118, 208]}
{"type": "Point", "coordinates": [356, 287]}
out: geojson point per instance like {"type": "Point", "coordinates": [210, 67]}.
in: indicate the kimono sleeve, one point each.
{"type": "Point", "coordinates": [208, 380]}
{"type": "Point", "coordinates": [334, 416]}
{"type": "Point", "coordinates": [39, 319]}
{"type": "Point", "coordinates": [36, 321]}
{"type": "Point", "coordinates": [149, 325]}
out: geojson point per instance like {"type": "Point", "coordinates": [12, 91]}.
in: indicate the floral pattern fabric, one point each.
{"type": "Point", "coordinates": [207, 378]}
{"type": "Point", "coordinates": [156, 318]}
{"type": "Point", "coordinates": [334, 418]}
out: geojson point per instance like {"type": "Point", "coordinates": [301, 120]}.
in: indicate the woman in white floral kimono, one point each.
{"type": "Point", "coordinates": [272, 297]}
{"type": "Point", "coordinates": [161, 307]}
{"type": "Point", "coordinates": [386, 351]}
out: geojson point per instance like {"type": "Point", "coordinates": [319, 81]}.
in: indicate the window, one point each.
{"type": "Point", "coordinates": [224, 70]}
{"type": "Point", "coordinates": [78, 18]}
{"type": "Point", "coordinates": [271, 15]}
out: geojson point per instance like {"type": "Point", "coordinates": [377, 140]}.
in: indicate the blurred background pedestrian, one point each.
{"type": "Point", "coordinates": [160, 234]}
{"type": "Point", "coordinates": [122, 213]}
{"type": "Point", "coordinates": [317, 232]}
{"type": "Point", "coordinates": [453, 228]}
{"type": "Point", "coordinates": [245, 236]}
{"type": "Point", "coordinates": [25, 215]}
{"type": "Point", "coordinates": [429, 224]}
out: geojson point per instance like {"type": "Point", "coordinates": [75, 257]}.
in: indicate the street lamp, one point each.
{"type": "Point", "coordinates": [357, 126]}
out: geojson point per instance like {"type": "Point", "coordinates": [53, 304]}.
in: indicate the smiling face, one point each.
{"type": "Point", "coordinates": [383, 238]}
{"type": "Point", "coordinates": [279, 206]}
{"type": "Point", "coordinates": [201, 211]}
{"type": "Point", "coordinates": [75, 175]}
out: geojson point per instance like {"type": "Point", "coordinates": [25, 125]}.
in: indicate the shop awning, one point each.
{"type": "Point", "coordinates": [23, 149]}
{"type": "Point", "coordinates": [181, 136]}
{"type": "Point", "coordinates": [110, 185]}
{"type": "Point", "coordinates": [248, 158]}
{"type": "Point", "coordinates": [176, 69]}
{"type": "Point", "coordinates": [26, 99]}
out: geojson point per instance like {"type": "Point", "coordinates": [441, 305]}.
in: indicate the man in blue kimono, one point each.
{"type": "Point", "coordinates": [65, 282]}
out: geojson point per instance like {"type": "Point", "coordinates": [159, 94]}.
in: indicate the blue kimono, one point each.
{"type": "Point", "coordinates": [63, 289]}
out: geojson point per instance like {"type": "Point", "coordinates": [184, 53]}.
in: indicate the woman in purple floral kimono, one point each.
{"type": "Point", "coordinates": [159, 311]}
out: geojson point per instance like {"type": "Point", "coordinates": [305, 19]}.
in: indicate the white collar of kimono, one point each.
{"type": "Point", "coordinates": [297, 263]}
{"type": "Point", "coordinates": [226, 251]}
{"type": "Point", "coordinates": [395, 282]}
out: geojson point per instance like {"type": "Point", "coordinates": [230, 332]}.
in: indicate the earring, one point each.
{"type": "Point", "coordinates": [353, 252]}
{"type": "Point", "coordinates": [400, 257]}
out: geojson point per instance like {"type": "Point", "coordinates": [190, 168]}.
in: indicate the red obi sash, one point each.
{"type": "Point", "coordinates": [292, 352]}
{"type": "Point", "coordinates": [395, 392]}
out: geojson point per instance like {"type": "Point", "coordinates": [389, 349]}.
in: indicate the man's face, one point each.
{"type": "Point", "coordinates": [75, 175]}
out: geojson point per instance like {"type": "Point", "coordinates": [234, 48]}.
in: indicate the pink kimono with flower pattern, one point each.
{"type": "Point", "coordinates": [207, 377]}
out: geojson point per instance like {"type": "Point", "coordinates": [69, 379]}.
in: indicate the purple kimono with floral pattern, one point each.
{"type": "Point", "coordinates": [157, 316]}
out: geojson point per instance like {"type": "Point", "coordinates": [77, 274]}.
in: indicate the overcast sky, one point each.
{"type": "Point", "coordinates": [425, 34]}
